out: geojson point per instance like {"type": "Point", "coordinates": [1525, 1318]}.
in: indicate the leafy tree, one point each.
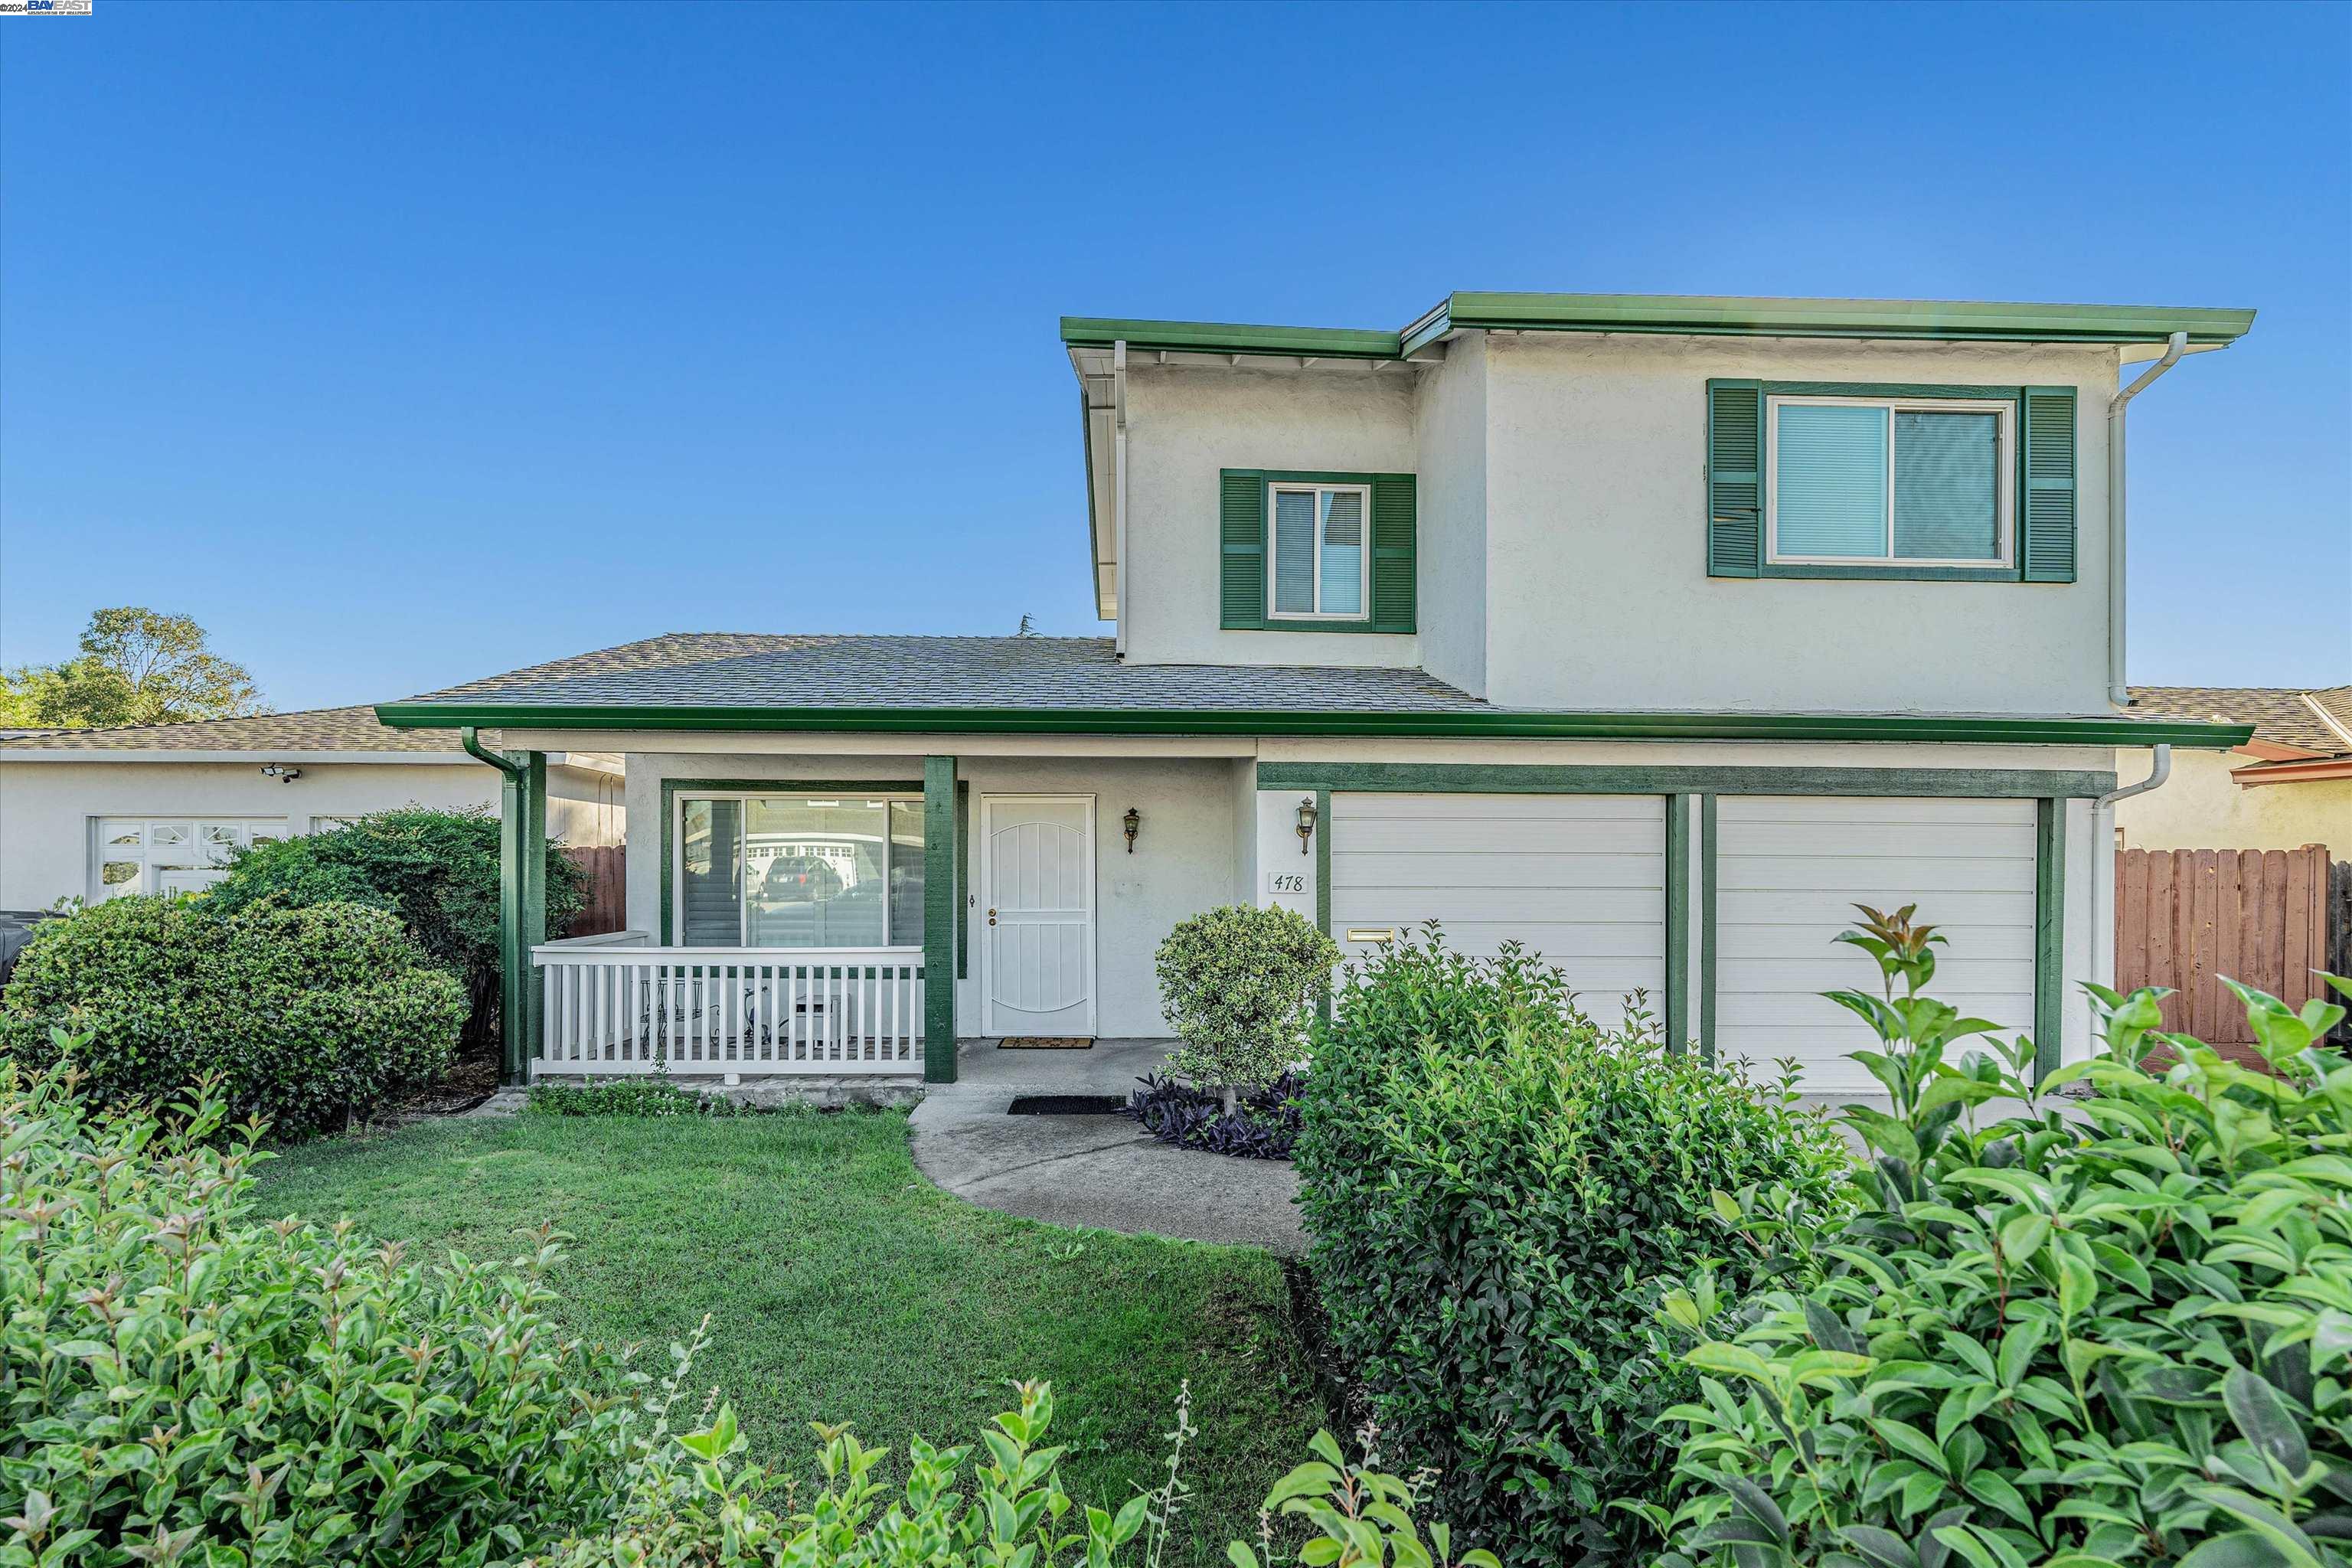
{"type": "Point", "coordinates": [136, 665]}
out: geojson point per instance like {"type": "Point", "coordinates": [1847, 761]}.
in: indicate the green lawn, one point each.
{"type": "Point", "coordinates": [843, 1287]}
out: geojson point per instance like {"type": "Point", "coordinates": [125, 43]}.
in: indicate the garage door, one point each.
{"type": "Point", "coordinates": [1789, 871]}
{"type": "Point", "coordinates": [1580, 878]}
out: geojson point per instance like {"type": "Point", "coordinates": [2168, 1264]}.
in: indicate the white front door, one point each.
{"type": "Point", "coordinates": [1037, 935]}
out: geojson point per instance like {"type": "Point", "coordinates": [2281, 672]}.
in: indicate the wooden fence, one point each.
{"type": "Point", "coordinates": [2185, 918]}
{"type": "Point", "coordinates": [607, 868]}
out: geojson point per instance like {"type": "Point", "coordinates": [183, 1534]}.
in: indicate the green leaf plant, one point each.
{"type": "Point", "coordinates": [2111, 1326]}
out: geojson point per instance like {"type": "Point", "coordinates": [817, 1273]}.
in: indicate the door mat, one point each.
{"type": "Point", "coordinates": [1045, 1043]}
{"type": "Point", "coordinates": [1066, 1105]}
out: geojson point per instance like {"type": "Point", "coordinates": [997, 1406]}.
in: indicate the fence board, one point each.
{"type": "Point", "coordinates": [607, 868]}
{"type": "Point", "coordinates": [2185, 918]}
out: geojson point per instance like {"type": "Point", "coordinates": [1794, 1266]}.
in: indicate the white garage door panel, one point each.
{"type": "Point", "coordinates": [1789, 871]}
{"type": "Point", "coordinates": [1579, 878]}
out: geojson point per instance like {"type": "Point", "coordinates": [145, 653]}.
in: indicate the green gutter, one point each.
{"type": "Point", "coordinates": [1500, 724]}
{"type": "Point", "coordinates": [1947, 321]}
{"type": "Point", "coordinates": [1225, 337]}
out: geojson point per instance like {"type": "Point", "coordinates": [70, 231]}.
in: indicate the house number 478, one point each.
{"type": "Point", "coordinates": [1286, 882]}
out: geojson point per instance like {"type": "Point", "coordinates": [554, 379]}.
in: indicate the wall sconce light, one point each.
{"type": "Point", "coordinates": [281, 772]}
{"type": "Point", "coordinates": [1133, 822]}
{"type": "Point", "coordinates": [1305, 823]}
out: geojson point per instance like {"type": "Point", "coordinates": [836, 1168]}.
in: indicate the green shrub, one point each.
{"type": "Point", "coordinates": [649, 1096]}
{"type": "Point", "coordinates": [690, 1503]}
{"type": "Point", "coordinates": [437, 870]}
{"type": "Point", "coordinates": [306, 1016]}
{"type": "Point", "coordinates": [2114, 1332]}
{"type": "Point", "coordinates": [1237, 984]}
{"type": "Point", "coordinates": [1490, 1181]}
{"type": "Point", "coordinates": [182, 1382]}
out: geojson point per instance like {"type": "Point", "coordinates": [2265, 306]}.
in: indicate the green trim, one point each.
{"type": "Point", "coordinates": [1497, 724]}
{"type": "Point", "coordinates": [1323, 881]}
{"type": "Point", "coordinates": [1698, 315]}
{"type": "Point", "coordinates": [962, 871]}
{"type": "Point", "coordinates": [1507, 778]}
{"type": "Point", "coordinates": [1897, 573]}
{"type": "Point", "coordinates": [672, 788]}
{"type": "Point", "coordinates": [939, 920]}
{"type": "Point", "coordinates": [1678, 1000]}
{"type": "Point", "coordinates": [1707, 943]}
{"type": "Point", "coordinates": [522, 897]}
{"type": "Point", "coordinates": [2049, 934]}
{"type": "Point", "coordinates": [1225, 337]}
{"type": "Point", "coordinates": [1266, 620]}
{"type": "Point", "coordinates": [533, 785]}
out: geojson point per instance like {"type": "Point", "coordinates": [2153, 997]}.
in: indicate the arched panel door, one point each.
{"type": "Point", "coordinates": [1037, 931]}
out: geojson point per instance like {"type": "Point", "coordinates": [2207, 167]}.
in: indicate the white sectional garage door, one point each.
{"type": "Point", "coordinates": [1789, 871]}
{"type": "Point", "coordinates": [1580, 878]}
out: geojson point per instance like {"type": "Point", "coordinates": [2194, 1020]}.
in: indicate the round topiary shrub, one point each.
{"type": "Point", "coordinates": [1236, 984]}
{"type": "Point", "coordinates": [305, 1015]}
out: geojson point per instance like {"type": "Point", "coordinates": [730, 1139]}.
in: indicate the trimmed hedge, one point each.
{"type": "Point", "coordinates": [1238, 983]}
{"type": "Point", "coordinates": [1491, 1182]}
{"type": "Point", "coordinates": [306, 1017]}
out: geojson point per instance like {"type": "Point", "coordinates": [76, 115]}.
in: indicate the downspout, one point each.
{"type": "Point", "coordinates": [2118, 693]}
{"type": "Point", "coordinates": [514, 956]}
{"type": "Point", "coordinates": [2102, 917]}
{"type": "Point", "coordinates": [1118, 481]}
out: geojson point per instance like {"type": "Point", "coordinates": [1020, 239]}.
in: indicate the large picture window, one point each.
{"type": "Point", "coordinates": [1889, 481]}
{"type": "Point", "coordinates": [799, 870]}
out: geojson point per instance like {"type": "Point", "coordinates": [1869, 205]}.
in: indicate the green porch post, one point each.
{"type": "Point", "coordinates": [523, 898]}
{"type": "Point", "coordinates": [533, 789]}
{"type": "Point", "coordinates": [941, 917]}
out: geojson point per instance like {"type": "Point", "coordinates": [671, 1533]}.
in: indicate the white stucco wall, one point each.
{"type": "Point", "coordinates": [1597, 588]}
{"type": "Point", "coordinates": [47, 808]}
{"type": "Point", "coordinates": [1450, 459]}
{"type": "Point", "coordinates": [1184, 425]}
{"type": "Point", "coordinates": [1188, 855]}
{"type": "Point", "coordinates": [2201, 807]}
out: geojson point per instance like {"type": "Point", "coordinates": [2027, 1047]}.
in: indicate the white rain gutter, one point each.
{"type": "Point", "coordinates": [2117, 692]}
{"type": "Point", "coordinates": [2103, 810]}
{"type": "Point", "coordinates": [1118, 484]}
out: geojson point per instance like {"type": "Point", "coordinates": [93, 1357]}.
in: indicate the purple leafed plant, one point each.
{"type": "Point", "coordinates": [1261, 1127]}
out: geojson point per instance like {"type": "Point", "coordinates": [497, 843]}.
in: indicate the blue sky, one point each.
{"type": "Point", "coordinates": [405, 345]}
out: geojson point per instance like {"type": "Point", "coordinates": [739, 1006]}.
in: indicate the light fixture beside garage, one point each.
{"type": "Point", "coordinates": [1305, 823]}
{"type": "Point", "coordinates": [281, 772]}
{"type": "Point", "coordinates": [1133, 823]}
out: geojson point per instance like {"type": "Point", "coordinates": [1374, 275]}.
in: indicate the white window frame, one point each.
{"type": "Point", "coordinates": [198, 852]}
{"type": "Point", "coordinates": [2004, 463]}
{"type": "Point", "coordinates": [677, 891]}
{"type": "Point", "coordinates": [1274, 554]}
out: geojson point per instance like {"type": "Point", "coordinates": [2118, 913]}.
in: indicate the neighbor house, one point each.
{"type": "Point", "coordinates": [1651, 633]}
{"type": "Point", "coordinates": [2289, 785]}
{"type": "Point", "coordinates": [158, 808]}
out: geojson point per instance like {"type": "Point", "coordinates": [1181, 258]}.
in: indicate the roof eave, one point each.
{"type": "Point", "coordinates": [1979, 728]}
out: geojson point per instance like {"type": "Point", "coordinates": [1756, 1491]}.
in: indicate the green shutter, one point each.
{"type": "Point", "coordinates": [1735, 479]}
{"type": "Point", "coordinates": [1396, 551]}
{"type": "Point", "coordinates": [2046, 536]}
{"type": "Point", "coordinates": [1241, 566]}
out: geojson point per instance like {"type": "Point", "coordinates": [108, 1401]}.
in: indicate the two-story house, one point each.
{"type": "Point", "coordinates": [1652, 633]}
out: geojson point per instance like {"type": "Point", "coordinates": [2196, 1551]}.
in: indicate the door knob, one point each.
{"type": "Point", "coordinates": [991, 917]}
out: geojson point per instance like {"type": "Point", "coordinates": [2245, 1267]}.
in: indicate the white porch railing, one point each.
{"type": "Point", "coordinates": [615, 1004]}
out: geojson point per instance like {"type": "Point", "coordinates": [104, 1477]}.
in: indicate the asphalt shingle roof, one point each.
{"type": "Point", "coordinates": [314, 730]}
{"type": "Point", "coordinates": [2278, 713]}
{"type": "Point", "coordinates": [724, 670]}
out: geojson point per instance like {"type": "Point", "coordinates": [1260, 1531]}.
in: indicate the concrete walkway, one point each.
{"type": "Point", "coordinates": [1100, 1171]}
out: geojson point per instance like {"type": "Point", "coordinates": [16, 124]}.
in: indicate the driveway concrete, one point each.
{"type": "Point", "coordinates": [1099, 1171]}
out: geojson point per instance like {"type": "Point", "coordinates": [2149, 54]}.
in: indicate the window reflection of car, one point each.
{"type": "Point", "coordinates": [800, 879]}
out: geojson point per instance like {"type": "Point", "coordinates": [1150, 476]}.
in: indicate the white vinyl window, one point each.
{"type": "Point", "coordinates": [1859, 481]}
{"type": "Point", "coordinates": [797, 870]}
{"type": "Point", "coordinates": [169, 855]}
{"type": "Point", "coordinates": [1320, 563]}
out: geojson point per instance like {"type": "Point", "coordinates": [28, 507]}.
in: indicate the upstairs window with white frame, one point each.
{"type": "Point", "coordinates": [1894, 481]}
{"type": "Point", "coordinates": [1320, 565]}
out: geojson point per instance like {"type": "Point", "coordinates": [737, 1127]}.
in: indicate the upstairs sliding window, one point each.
{"type": "Point", "coordinates": [799, 871]}
{"type": "Point", "coordinates": [1876, 480]}
{"type": "Point", "coordinates": [1320, 567]}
